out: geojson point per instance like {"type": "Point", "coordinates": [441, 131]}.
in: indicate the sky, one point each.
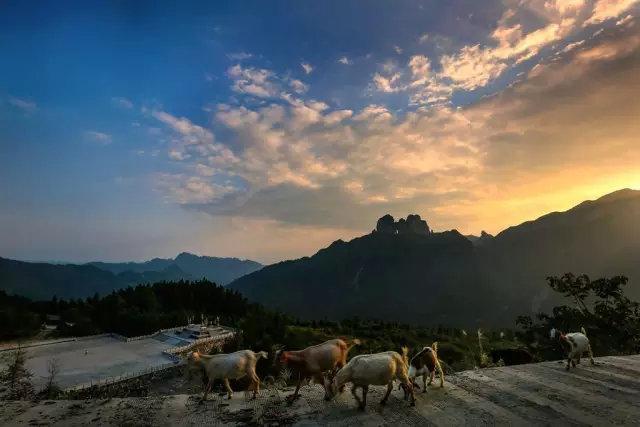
{"type": "Point", "coordinates": [268, 129]}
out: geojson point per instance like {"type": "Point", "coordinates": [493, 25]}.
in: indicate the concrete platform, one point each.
{"type": "Point", "coordinates": [105, 357]}
{"type": "Point", "coordinates": [536, 394]}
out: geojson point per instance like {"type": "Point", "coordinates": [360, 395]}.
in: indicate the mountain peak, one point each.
{"type": "Point", "coordinates": [412, 225]}
{"type": "Point", "coordinates": [625, 193]}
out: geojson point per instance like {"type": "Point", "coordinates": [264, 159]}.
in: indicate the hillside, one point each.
{"type": "Point", "coordinates": [218, 270]}
{"type": "Point", "coordinates": [42, 281]}
{"type": "Point", "coordinates": [397, 273]}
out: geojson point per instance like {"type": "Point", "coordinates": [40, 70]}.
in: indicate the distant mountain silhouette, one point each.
{"type": "Point", "coordinates": [43, 280]}
{"type": "Point", "coordinates": [446, 278]}
{"type": "Point", "coordinates": [218, 270]}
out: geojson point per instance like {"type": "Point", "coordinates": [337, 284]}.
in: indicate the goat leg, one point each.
{"type": "Point", "coordinates": [296, 393]}
{"type": "Point", "coordinates": [256, 385]}
{"type": "Point", "coordinates": [228, 387]}
{"type": "Point", "coordinates": [365, 390]}
{"type": "Point", "coordinates": [205, 393]}
{"type": "Point", "coordinates": [386, 396]}
{"type": "Point", "coordinates": [355, 396]}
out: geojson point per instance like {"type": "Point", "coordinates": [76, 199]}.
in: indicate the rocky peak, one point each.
{"type": "Point", "coordinates": [413, 224]}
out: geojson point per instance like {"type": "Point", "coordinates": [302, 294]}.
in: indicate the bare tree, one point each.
{"type": "Point", "coordinates": [51, 388]}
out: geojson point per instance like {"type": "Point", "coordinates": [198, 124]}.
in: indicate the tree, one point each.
{"type": "Point", "coordinates": [16, 377]}
{"type": "Point", "coordinates": [611, 319]}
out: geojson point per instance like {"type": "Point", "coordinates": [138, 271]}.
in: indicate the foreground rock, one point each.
{"type": "Point", "coordinates": [535, 394]}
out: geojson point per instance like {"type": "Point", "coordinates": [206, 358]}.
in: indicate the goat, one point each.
{"type": "Point", "coordinates": [314, 361]}
{"type": "Point", "coordinates": [374, 369]}
{"type": "Point", "coordinates": [426, 363]}
{"type": "Point", "coordinates": [227, 366]}
{"type": "Point", "coordinates": [575, 344]}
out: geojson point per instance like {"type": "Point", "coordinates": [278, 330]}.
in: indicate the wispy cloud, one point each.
{"type": "Point", "coordinates": [345, 61]}
{"type": "Point", "coordinates": [98, 137]}
{"type": "Point", "coordinates": [308, 68]}
{"type": "Point", "coordinates": [26, 106]}
{"type": "Point", "coordinates": [263, 83]}
{"type": "Point", "coordinates": [122, 102]}
{"type": "Point", "coordinates": [239, 56]}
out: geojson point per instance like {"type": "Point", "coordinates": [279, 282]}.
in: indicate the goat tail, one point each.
{"type": "Point", "coordinates": [262, 354]}
{"type": "Point", "coordinates": [584, 332]}
{"type": "Point", "coordinates": [405, 355]}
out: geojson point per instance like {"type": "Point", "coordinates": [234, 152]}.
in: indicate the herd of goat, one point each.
{"type": "Point", "coordinates": [326, 364]}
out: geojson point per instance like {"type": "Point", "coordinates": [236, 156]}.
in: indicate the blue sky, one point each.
{"type": "Point", "coordinates": [130, 130]}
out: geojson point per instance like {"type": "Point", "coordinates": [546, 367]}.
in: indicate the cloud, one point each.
{"type": "Point", "coordinates": [345, 61]}
{"type": "Point", "coordinates": [387, 84]}
{"type": "Point", "coordinates": [304, 163]}
{"type": "Point", "coordinates": [122, 102]}
{"type": "Point", "coordinates": [263, 83]}
{"type": "Point", "coordinates": [297, 86]}
{"type": "Point", "coordinates": [253, 81]}
{"type": "Point", "coordinates": [308, 68]}
{"type": "Point", "coordinates": [98, 137]}
{"type": "Point", "coordinates": [627, 20]}
{"type": "Point", "coordinates": [523, 32]}
{"type": "Point", "coordinates": [189, 190]}
{"type": "Point", "coordinates": [239, 56]}
{"type": "Point", "coordinates": [192, 141]}
{"type": "Point", "coordinates": [571, 46]}
{"type": "Point", "coordinates": [190, 132]}
{"type": "Point", "coordinates": [26, 106]}
{"type": "Point", "coordinates": [608, 9]}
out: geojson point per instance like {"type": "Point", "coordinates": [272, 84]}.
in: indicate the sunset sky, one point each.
{"type": "Point", "coordinates": [266, 130]}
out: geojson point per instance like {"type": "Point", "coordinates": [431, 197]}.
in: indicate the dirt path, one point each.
{"type": "Point", "coordinates": [536, 394]}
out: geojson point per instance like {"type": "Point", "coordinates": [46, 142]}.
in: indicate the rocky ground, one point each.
{"type": "Point", "coordinates": [537, 394]}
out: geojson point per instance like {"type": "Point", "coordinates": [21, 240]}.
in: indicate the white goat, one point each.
{"type": "Point", "coordinates": [575, 345]}
{"type": "Point", "coordinates": [225, 367]}
{"type": "Point", "coordinates": [374, 369]}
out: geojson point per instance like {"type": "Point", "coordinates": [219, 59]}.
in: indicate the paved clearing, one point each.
{"type": "Point", "coordinates": [536, 394]}
{"type": "Point", "coordinates": [105, 357]}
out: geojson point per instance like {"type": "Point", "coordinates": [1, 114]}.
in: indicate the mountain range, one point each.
{"type": "Point", "coordinates": [45, 280]}
{"type": "Point", "coordinates": [406, 272]}
{"type": "Point", "coordinates": [401, 271]}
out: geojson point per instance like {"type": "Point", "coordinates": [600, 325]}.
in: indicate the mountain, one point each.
{"type": "Point", "coordinates": [43, 280]}
{"type": "Point", "coordinates": [598, 238]}
{"type": "Point", "coordinates": [412, 274]}
{"type": "Point", "coordinates": [218, 270]}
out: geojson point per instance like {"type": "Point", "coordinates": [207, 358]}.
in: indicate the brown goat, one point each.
{"type": "Point", "coordinates": [315, 361]}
